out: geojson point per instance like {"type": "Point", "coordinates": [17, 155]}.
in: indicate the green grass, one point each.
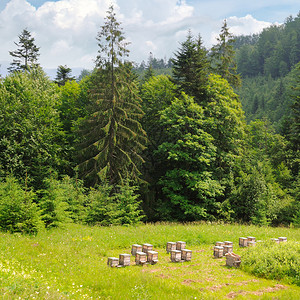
{"type": "Point", "coordinates": [70, 263]}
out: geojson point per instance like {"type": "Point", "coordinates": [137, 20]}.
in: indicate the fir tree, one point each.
{"type": "Point", "coordinates": [222, 57]}
{"type": "Point", "coordinates": [113, 136]}
{"type": "Point", "coordinates": [26, 55]}
{"type": "Point", "coordinates": [63, 75]}
{"type": "Point", "coordinates": [190, 68]}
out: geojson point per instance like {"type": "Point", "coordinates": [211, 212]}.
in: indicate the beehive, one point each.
{"type": "Point", "coordinates": [282, 239]}
{"type": "Point", "coordinates": [180, 245]}
{"type": "Point", "coordinates": [228, 243]}
{"type": "Point", "coordinates": [243, 242]}
{"type": "Point", "coordinates": [170, 246]}
{"type": "Point", "coordinates": [147, 247]}
{"type": "Point", "coordinates": [220, 244]}
{"type": "Point", "coordinates": [113, 261]}
{"type": "Point", "coordinates": [136, 248]}
{"type": "Point", "coordinates": [227, 249]}
{"type": "Point", "coordinates": [251, 243]}
{"type": "Point", "coordinates": [140, 258]}
{"type": "Point", "coordinates": [124, 259]}
{"type": "Point", "coordinates": [251, 238]}
{"type": "Point", "coordinates": [152, 257]}
{"type": "Point", "coordinates": [218, 251]}
{"type": "Point", "coordinates": [186, 254]}
{"type": "Point", "coordinates": [233, 260]}
{"type": "Point", "coordinates": [175, 255]}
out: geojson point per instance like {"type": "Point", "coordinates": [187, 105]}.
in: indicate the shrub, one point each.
{"type": "Point", "coordinates": [18, 212]}
{"type": "Point", "coordinates": [120, 207]}
{"type": "Point", "coordinates": [274, 261]}
{"type": "Point", "coordinates": [54, 203]}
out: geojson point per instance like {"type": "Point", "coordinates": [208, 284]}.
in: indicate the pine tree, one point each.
{"type": "Point", "coordinates": [222, 57]}
{"type": "Point", "coordinates": [63, 75]}
{"type": "Point", "coordinates": [114, 138]}
{"type": "Point", "coordinates": [26, 55]}
{"type": "Point", "coordinates": [190, 68]}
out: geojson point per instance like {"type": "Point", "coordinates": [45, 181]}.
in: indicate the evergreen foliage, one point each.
{"type": "Point", "coordinates": [63, 75]}
{"type": "Point", "coordinates": [56, 210]}
{"type": "Point", "coordinates": [112, 145]}
{"type": "Point", "coordinates": [121, 207]}
{"type": "Point", "coordinates": [26, 55]}
{"type": "Point", "coordinates": [18, 210]}
{"type": "Point", "coordinates": [190, 68]}
{"type": "Point", "coordinates": [222, 57]}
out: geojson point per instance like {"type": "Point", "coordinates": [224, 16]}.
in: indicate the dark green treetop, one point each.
{"type": "Point", "coordinates": [63, 75]}
{"type": "Point", "coordinates": [190, 68]}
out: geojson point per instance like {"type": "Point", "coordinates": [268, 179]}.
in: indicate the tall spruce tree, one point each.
{"type": "Point", "coordinates": [113, 137]}
{"type": "Point", "coordinates": [27, 53]}
{"type": "Point", "coordinates": [190, 68]}
{"type": "Point", "coordinates": [222, 57]}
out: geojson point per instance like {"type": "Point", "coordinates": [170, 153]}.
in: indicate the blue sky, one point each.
{"type": "Point", "coordinates": [65, 30]}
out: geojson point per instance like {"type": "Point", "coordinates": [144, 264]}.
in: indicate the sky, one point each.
{"type": "Point", "coordinates": [66, 30]}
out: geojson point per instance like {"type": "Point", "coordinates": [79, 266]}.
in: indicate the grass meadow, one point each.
{"type": "Point", "coordinates": [71, 263]}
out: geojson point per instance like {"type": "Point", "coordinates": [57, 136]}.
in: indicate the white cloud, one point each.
{"type": "Point", "coordinates": [242, 26]}
{"type": "Point", "coordinates": [66, 30]}
{"type": "Point", "coordinates": [246, 25]}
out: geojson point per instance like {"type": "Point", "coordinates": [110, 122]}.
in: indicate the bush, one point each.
{"type": "Point", "coordinates": [274, 261]}
{"type": "Point", "coordinates": [120, 207]}
{"type": "Point", "coordinates": [54, 203]}
{"type": "Point", "coordinates": [18, 212]}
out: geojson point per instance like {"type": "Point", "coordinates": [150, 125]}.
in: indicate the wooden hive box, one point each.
{"type": "Point", "coordinates": [147, 247]}
{"type": "Point", "coordinates": [140, 258]}
{"type": "Point", "coordinates": [251, 238]}
{"type": "Point", "coordinates": [228, 243]}
{"type": "Point", "coordinates": [175, 255]}
{"type": "Point", "coordinates": [180, 245]}
{"type": "Point", "coordinates": [186, 255]}
{"type": "Point", "coordinates": [152, 257]}
{"type": "Point", "coordinates": [233, 260]}
{"type": "Point", "coordinates": [170, 246]}
{"type": "Point", "coordinates": [124, 260]}
{"type": "Point", "coordinates": [243, 242]}
{"type": "Point", "coordinates": [136, 248]}
{"type": "Point", "coordinates": [218, 251]}
{"type": "Point", "coordinates": [113, 261]}
{"type": "Point", "coordinates": [282, 239]}
{"type": "Point", "coordinates": [227, 249]}
{"type": "Point", "coordinates": [220, 244]}
{"type": "Point", "coordinates": [251, 244]}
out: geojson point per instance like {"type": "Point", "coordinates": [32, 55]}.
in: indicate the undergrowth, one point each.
{"type": "Point", "coordinates": [274, 261]}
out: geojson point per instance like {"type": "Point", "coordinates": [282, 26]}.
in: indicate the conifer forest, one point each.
{"type": "Point", "coordinates": [210, 134]}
